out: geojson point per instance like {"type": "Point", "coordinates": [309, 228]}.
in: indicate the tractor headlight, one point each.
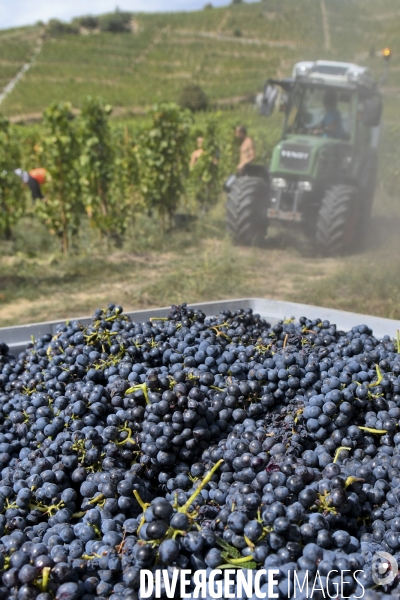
{"type": "Point", "coordinates": [354, 75]}
{"type": "Point", "coordinates": [278, 183]}
{"type": "Point", "coordinates": [304, 186]}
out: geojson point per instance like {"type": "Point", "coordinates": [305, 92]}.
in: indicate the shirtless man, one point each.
{"type": "Point", "coordinates": [197, 153]}
{"type": "Point", "coordinates": [247, 153]}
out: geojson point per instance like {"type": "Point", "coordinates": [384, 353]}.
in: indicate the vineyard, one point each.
{"type": "Point", "coordinates": [126, 213]}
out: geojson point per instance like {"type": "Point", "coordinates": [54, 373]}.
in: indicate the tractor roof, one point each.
{"type": "Point", "coordinates": [332, 72]}
{"type": "Point", "coordinates": [365, 86]}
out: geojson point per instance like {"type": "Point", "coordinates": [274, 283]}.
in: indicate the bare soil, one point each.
{"type": "Point", "coordinates": [215, 271]}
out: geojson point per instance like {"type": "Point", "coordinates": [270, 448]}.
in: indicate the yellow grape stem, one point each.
{"type": "Point", "coordinates": [229, 566]}
{"type": "Point", "coordinates": [140, 386]}
{"type": "Point", "coordinates": [46, 509]}
{"type": "Point", "coordinates": [249, 543]}
{"type": "Point", "coordinates": [45, 578]}
{"type": "Point", "coordinates": [143, 505]}
{"type": "Point", "coordinates": [142, 522]}
{"type": "Point", "coordinates": [351, 480]}
{"type": "Point", "coordinates": [298, 413]}
{"type": "Point", "coordinates": [39, 508]}
{"type": "Point", "coordinates": [127, 440]}
{"type": "Point", "coordinates": [243, 559]}
{"type": "Point", "coordinates": [377, 431]}
{"type": "Point", "coordinates": [176, 532]}
{"type": "Point", "coordinates": [338, 451]}
{"type": "Point", "coordinates": [206, 479]}
{"type": "Point", "coordinates": [96, 499]}
{"type": "Point", "coordinates": [79, 515]}
{"type": "Point", "coordinates": [380, 377]}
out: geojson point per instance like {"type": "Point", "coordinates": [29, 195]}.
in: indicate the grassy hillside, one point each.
{"type": "Point", "coordinates": [228, 51]}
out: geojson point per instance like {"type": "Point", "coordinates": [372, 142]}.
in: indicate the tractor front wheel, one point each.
{"type": "Point", "coordinates": [338, 220]}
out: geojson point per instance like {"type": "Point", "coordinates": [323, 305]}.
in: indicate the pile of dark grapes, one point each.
{"type": "Point", "coordinates": [194, 443]}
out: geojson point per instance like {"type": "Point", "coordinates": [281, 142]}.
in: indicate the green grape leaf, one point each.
{"type": "Point", "coordinates": [230, 550]}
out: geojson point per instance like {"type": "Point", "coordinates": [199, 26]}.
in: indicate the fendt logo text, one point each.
{"type": "Point", "coordinates": [293, 154]}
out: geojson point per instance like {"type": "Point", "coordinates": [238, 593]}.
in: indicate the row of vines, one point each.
{"type": "Point", "coordinates": [108, 174]}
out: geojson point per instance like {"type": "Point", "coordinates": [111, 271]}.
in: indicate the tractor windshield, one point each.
{"type": "Point", "coordinates": [319, 111]}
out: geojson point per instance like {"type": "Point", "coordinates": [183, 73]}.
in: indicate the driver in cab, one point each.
{"type": "Point", "coordinates": [331, 125]}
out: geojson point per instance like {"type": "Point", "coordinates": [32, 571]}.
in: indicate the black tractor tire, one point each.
{"type": "Point", "coordinates": [246, 211]}
{"type": "Point", "coordinates": [338, 220]}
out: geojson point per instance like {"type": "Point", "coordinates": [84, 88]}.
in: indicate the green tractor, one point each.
{"type": "Point", "coordinates": [323, 172]}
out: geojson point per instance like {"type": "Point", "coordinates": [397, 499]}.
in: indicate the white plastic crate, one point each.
{"type": "Point", "coordinates": [272, 310]}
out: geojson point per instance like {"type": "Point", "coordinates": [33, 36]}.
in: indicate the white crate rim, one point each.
{"type": "Point", "coordinates": [273, 310]}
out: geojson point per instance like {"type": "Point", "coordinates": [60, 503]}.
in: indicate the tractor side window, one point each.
{"type": "Point", "coordinates": [311, 113]}
{"type": "Point", "coordinates": [344, 106]}
{"type": "Point", "coordinates": [294, 110]}
{"type": "Point", "coordinates": [363, 134]}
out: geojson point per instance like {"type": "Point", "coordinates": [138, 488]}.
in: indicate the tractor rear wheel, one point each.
{"type": "Point", "coordinates": [246, 211]}
{"type": "Point", "coordinates": [338, 220]}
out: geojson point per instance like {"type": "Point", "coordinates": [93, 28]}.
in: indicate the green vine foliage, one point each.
{"type": "Point", "coordinates": [12, 198]}
{"type": "Point", "coordinates": [204, 184]}
{"type": "Point", "coordinates": [127, 201]}
{"type": "Point", "coordinates": [62, 209]}
{"type": "Point", "coordinates": [109, 171]}
{"type": "Point", "coordinates": [29, 139]}
{"type": "Point", "coordinates": [96, 162]}
{"type": "Point", "coordinates": [163, 158]}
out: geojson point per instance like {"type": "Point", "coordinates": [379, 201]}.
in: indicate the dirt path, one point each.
{"type": "Point", "coordinates": [223, 21]}
{"type": "Point", "coordinates": [204, 266]}
{"type": "Point", "coordinates": [214, 271]}
{"type": "Point", "coordinates": [11, 84]}
{"type": "Point", "coordinates": [325, 26]}
{"type": "Point", "coordinates": [155, 41]}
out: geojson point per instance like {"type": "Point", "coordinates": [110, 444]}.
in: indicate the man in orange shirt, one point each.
{"type": "Point", "coordinates": [34, 179]}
